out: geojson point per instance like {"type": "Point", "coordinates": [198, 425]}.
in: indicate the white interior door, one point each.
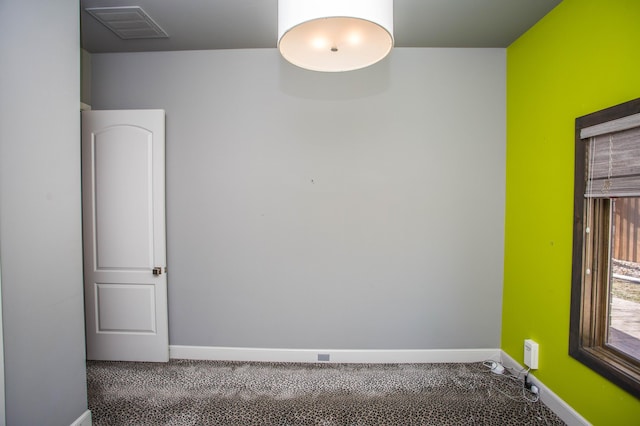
{"type": "Point", "coordinates": [124, 235]}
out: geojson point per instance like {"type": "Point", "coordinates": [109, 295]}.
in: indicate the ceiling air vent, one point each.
{"type": "Point", "coordinates": [128, 22]}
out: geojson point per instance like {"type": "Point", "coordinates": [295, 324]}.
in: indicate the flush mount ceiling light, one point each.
{"type": "Point", "coordinates": [335, 35]}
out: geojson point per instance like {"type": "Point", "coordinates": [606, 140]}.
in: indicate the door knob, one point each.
{"type": "Point", "coordinates": [157, 270]}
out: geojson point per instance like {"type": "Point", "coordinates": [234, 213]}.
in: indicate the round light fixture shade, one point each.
{"type": "Point", "coordinates": [335, 35]}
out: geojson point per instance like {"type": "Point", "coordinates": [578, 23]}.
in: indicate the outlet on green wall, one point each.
{"type": "Point", "coordinates": [582, 57]}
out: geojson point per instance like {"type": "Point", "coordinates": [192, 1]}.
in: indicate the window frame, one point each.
{"type": "Point", "coordinates": [589, 295]}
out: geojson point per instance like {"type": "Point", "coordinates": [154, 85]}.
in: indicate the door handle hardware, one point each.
{"type": "Point", "coordinates": [157, 271]}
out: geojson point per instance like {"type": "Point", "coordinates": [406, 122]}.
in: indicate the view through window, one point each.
{"type": "Point", "coordinates": [624, 290]}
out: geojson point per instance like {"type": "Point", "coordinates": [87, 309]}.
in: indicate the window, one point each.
{"type": "Point", "coordinates": [605, 291]}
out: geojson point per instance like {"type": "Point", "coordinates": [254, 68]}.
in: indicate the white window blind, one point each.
{"type": "Point", "coordinates": [613, 168]}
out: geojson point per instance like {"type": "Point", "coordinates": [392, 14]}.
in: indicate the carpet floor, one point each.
{"type": "Point", "coordinates": [186, 392]}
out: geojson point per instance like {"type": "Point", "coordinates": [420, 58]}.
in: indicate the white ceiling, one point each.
{"type": "Point", "coordinates": [241, 24]}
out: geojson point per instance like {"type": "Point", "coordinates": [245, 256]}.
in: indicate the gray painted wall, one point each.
{"type": "Point", "coordinates": [360, 210]}
{"type": "Point", "coordinates": [40, 223]}
{"type": "Point", "coordinates": [85, 77]}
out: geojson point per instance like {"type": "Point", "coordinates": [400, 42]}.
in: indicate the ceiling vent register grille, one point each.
{"type": "Point", "coordinates": [129, 22]}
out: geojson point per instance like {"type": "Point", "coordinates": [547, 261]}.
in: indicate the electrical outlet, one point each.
{"type": "Point", "coordinates": [531, 354]}
{"type": "Point", "coordinates": [324, 357]}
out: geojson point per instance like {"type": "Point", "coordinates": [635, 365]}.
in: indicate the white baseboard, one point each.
{"type": "Point", "coordinates": [563, 410]}
{"type": "Point", "coordinates": [335, 355]}
{"type": "Point", "coordinates": [83, 420]}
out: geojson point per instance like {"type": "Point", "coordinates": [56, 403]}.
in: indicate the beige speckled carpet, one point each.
{"type": "Point", "coordinates": [185, 392]}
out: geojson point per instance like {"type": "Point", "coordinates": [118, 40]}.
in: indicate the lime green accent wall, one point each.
{"type": "Point", "coordinates": [582, 57]}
